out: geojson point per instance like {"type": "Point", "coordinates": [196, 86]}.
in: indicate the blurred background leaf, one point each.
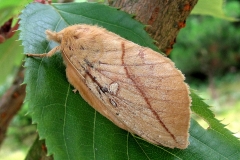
{"type": "Point", "coordinates": [213, 8]}
{"type": "Point", "coordinates": [10, 8]}
{"type": "Point", "coordinates": [208, 53]}
{"type": "Point", "coordinates": [10, 57]}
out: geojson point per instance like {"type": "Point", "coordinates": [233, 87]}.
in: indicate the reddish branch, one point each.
{"type": "Point", "coordinates": [11, 102]}
{"type": "Point", "coordinates": [7, 31]}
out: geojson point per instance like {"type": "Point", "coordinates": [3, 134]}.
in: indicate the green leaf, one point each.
{"type": "Point", "coordinates": [10, 57]}
{"type": "Point", "coordinates": [72, 128]}
{"type": "Point", "coordinates": [212, 8]}
{"type": "Point", "coordinates": [202, 109]}
{"type": "Point", "coordinates": [10, 8]}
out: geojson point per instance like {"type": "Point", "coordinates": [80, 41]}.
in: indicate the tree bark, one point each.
{"type": "Point", "coordinates": [164, 18]}
{"type": "Point", "coordinates": [11, 102]}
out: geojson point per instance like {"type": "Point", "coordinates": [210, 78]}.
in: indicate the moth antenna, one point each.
{"type": "Point", "coordinates": [51, 35]}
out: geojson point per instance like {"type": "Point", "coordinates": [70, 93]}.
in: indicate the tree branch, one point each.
{"type": "Point", "coordinates": [164, 17]}
{"type": "Point", "coordinates": [11, 102]}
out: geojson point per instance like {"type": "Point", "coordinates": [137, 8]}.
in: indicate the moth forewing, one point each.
{"type": "Point", "coordinates": [135, 87]}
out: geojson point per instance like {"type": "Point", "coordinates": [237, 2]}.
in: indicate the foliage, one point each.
{"type": "Point", "coordinates": [72, 129]}
{"type": "Point", "coordinates": [10, 8]}
{"type": "Point", "coordinates": [10, 57]}
{"type": "Point", "coordinates": [10, 49]}
{"type": "Point", "coordinates": [208, 41]}
{"type": "Point", "coordinates": [212, 8]}
{"type": "Point", "coordinates": [20, 136]}
{"type": "Point", "coordinates": [21, 129]}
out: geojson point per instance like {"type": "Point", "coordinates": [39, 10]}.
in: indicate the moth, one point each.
{"type": "Point", "coordinates": [135, 87]}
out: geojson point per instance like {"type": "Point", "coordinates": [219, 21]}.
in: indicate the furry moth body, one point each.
{"type": "Point", "coordinates": [135, 87]}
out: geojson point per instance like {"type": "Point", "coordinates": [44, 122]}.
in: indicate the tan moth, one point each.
{"type": "Point", "coordinates": [135, 87]}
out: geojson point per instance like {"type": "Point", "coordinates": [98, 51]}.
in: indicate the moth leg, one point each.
{"type": "Point", "coordinates": [75, 90]}
{"type": "Point", "coordinates": [49, 54]}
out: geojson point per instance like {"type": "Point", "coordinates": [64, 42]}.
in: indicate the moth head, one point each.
{"type": "Point", "coordinates": [51, 35]}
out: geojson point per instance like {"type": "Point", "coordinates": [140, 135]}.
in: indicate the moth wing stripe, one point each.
{"type": "Point", "coordinates": [100, 85]}
{"type": "Point", "coordinates": [130, 65]}
{"type": "Point", "coordinates": [126, 104]}
{"type": "Point", "coordinates": [138, 127]}
{"type": "Point", "coordinates": [144, 96]}
{"type": "Point", "coordinates": [119, 80]}
{"type": "Point", "coordinates": [152, 76]}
